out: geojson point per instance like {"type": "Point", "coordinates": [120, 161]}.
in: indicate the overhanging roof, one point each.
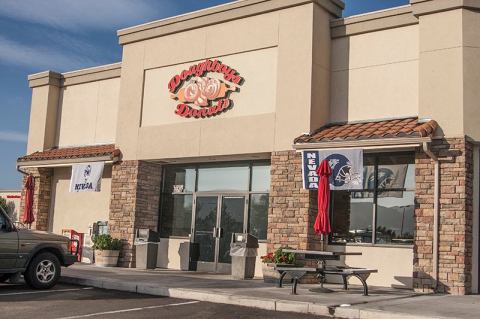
{"type": "Point", "coordinates": [389, 132]}
{"type": "Point", "coordinates": [70, 155]}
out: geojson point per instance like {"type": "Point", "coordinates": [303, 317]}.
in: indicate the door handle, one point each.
{"type": "Point", "coordinates": [220, 232]}
{"type": "Point", "coordinates": [214, 232]}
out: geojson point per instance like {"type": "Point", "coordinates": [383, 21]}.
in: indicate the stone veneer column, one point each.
{"type": "Point", "coordinates": [292, 209]}
{"type": "Point", "coordinates": [41, 198]}
{"type": "Point", "coordinates": [456, 217]}
{"type": "Point", "coordinates": [134, 203]}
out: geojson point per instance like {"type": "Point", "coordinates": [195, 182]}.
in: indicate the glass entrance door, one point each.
{"type": "Point", "coordinates": [205, 233]}
{"type": "Point", "coordinates": [217, 217]}
{"type": "Point", "coordinates": [231, 221]}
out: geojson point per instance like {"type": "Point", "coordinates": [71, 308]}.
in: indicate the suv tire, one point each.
{"type": "Point", "coordinates": [43, 271]}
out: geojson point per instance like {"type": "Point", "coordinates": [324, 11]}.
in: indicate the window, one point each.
{"type": "Point", "coordinates": [223, 178]}
{"type": "Point", "coordinates": [178, 222]}
{"type": "Point", "coordinates": [180, 183]}
{"type": "Point", "coordinates": [258, 216]}
{"type": "Point", "coordinates": [3, 221]}
{"type": "Point", "coordinates": [386, 203]}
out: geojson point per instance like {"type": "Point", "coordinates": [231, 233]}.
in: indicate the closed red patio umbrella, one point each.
{"type": "Point", "coordinates": [322, 223]}
{"type": "Point", "coordinates": [28, 217]}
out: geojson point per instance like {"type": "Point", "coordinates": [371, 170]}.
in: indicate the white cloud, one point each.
{"type": "Point", "coordinates": [79, 15]}
{"type": "Point", "coordinates": [41, 57]}
{"type": "Point", "coordinates": [13, 136]}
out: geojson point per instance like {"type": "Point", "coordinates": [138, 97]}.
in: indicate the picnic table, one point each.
{"type": "Point", "coordinates": [322, 270]}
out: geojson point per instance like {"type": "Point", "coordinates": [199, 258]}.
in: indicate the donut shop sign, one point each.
{"type": "Point", "coordinates": [200, 95]}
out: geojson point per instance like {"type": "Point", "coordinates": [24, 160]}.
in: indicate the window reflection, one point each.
{"type": "Point", "coordinates": [176, 219]}
{"type": "Point", "coordinates": [352, 217]}
{"type": "Point", "coordinates": [181, 176]}
{"type": "Point", "coordinates": [231, 178]}
{"type": "Point", "coordinates": [395, 219]}
{"type": "Point", "coordinates": [390, 181]}
{"type": "Point", "coordinates": [261, 178]}
{"type": "Point", "coordinates": [258, 215]}
{"type": "Point", "coordinates": [251, 178]}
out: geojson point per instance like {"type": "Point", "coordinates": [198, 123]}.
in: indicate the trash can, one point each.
{"type": "Point", "coordinates": [189, 253]}
{"type": "Point", "coordinates": [243, 250]}
{"type": "Point", "coordinates": [146, 248]}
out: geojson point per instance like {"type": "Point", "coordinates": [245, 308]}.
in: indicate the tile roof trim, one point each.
{"type": "Point", "coordinates": [379, 143]}
{"type": "Point", "coordinates": [422, 128]}
{"type": "Point", "coordinates": [104, 152]}
{"type": "Point", "coordinates": [66, 161]}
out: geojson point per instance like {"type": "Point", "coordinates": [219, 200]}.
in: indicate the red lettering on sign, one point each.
{"type": "Point", "coordinates": [187, 111]}
{"type": "Point", "coordinates": [200, 69]}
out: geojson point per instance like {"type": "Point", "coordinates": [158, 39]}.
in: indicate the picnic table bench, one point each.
{"type": "Point", "coordinates": [322, 270]}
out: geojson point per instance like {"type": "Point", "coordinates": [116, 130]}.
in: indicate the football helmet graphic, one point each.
{"type": "Point", "coordinates": [342, 172]}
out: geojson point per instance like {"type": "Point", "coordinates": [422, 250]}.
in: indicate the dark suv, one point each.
{"type": "Point", "coordinates": [35, 254]}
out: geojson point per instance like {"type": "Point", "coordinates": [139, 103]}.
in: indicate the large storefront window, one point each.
{"type": "Point", "coordinates": [182, 183]}
{"type": "Point", "coordinates": [386, 203]}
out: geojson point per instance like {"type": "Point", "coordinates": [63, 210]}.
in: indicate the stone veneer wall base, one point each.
{"type": "Point", "coordinates": [456, 218]}
{"type": "Point", "coordinates": [134, 203]}
{"type": "Point", "coordinates": [41, 197]}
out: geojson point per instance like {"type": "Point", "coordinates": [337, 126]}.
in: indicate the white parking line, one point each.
{"type": "Point", "coordinates": [129, 310]}
{"type": "Point", "coordinates": [43, 291]}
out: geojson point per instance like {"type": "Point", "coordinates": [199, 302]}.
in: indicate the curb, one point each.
{"type": "Point", "coordinates": [230, 299]}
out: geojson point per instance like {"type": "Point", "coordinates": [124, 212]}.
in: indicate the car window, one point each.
{"type": "Point", "coordinates": [3, 222]}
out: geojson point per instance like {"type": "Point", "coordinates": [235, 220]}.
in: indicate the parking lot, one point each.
{"type": "Point", "coordinates": [69, 302]}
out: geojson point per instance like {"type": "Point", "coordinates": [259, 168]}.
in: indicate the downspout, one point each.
{"type": "Point", "coordinates": [20, 171]}
{"type": "Point", "coordinates": [436, 210]}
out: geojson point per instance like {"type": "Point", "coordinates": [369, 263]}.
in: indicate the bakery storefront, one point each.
{"type": "Point", "coordinates": [214, 122]}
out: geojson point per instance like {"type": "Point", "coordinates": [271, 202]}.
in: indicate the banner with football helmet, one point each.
{"type": "Point", "coordinates": [86, 177]}
{"type": "Point", "coordinates": [346, 165]}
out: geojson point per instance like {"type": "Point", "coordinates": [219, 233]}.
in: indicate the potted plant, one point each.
{"type": "Point", "coordinates": [107, 250]}
{"type": "Point", "coordinates": [270, 260]}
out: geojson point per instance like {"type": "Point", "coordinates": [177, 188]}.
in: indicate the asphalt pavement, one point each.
{"type": "Point", "coordinates": [72, 302]}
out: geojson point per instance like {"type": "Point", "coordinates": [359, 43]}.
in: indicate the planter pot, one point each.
{"type": "Point", "coordinates": [270, 275]}
{"type": "Point", "coordinates": [106, 258]}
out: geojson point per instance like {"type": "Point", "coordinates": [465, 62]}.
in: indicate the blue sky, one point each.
{"type": "Point", "coordinates": [63, 35]}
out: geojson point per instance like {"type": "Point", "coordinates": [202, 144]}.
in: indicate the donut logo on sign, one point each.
{"type": "Point", "coordinates": [202, 96]}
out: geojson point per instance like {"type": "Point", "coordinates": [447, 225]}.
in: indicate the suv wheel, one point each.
{"type": "Point", "coordinates": [43, 271]}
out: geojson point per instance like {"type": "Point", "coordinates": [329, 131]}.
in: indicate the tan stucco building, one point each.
{"type": "Point", "coordinates": [201, 123]}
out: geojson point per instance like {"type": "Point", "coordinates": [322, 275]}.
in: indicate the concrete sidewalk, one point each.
{"type": "Point", "coordinates": [382, 303]}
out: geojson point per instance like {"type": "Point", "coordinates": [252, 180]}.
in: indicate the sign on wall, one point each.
{"type": "Point", "coordinates": [346, 165]}
{"type": "Point", "coordinates": [203, 90]}
{"type": "Point", "coordinates": [86, 177]}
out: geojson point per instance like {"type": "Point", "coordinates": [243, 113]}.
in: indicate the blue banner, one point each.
{"type": "Point", "coordinates": [310, 165]}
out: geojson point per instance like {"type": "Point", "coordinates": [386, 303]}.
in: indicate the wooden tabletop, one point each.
{"type": "Point", "coordinates": [321, 253]}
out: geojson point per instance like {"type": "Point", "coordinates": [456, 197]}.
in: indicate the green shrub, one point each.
{"type": "Point", "coordinates": [106, 242]}
{"type": "Point", "coordinates": [284, 258]}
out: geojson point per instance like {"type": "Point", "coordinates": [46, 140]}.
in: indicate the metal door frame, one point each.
{"type": "Point", "coordinates": [220, 196]}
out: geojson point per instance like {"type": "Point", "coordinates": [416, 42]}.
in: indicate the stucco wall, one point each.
{"type": "Point", "coordinates": [394, 264]}
{"type": "Point", "coordinates": [77, 211]}
{"type": "Point", "coordinates": [87, 113]}
{"type": "Point", "coordinates": [255, 96]}
{"type": "Point", "coordinates": [271, 108]}
{"type": "Point", "coordinates": [375, 75]}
